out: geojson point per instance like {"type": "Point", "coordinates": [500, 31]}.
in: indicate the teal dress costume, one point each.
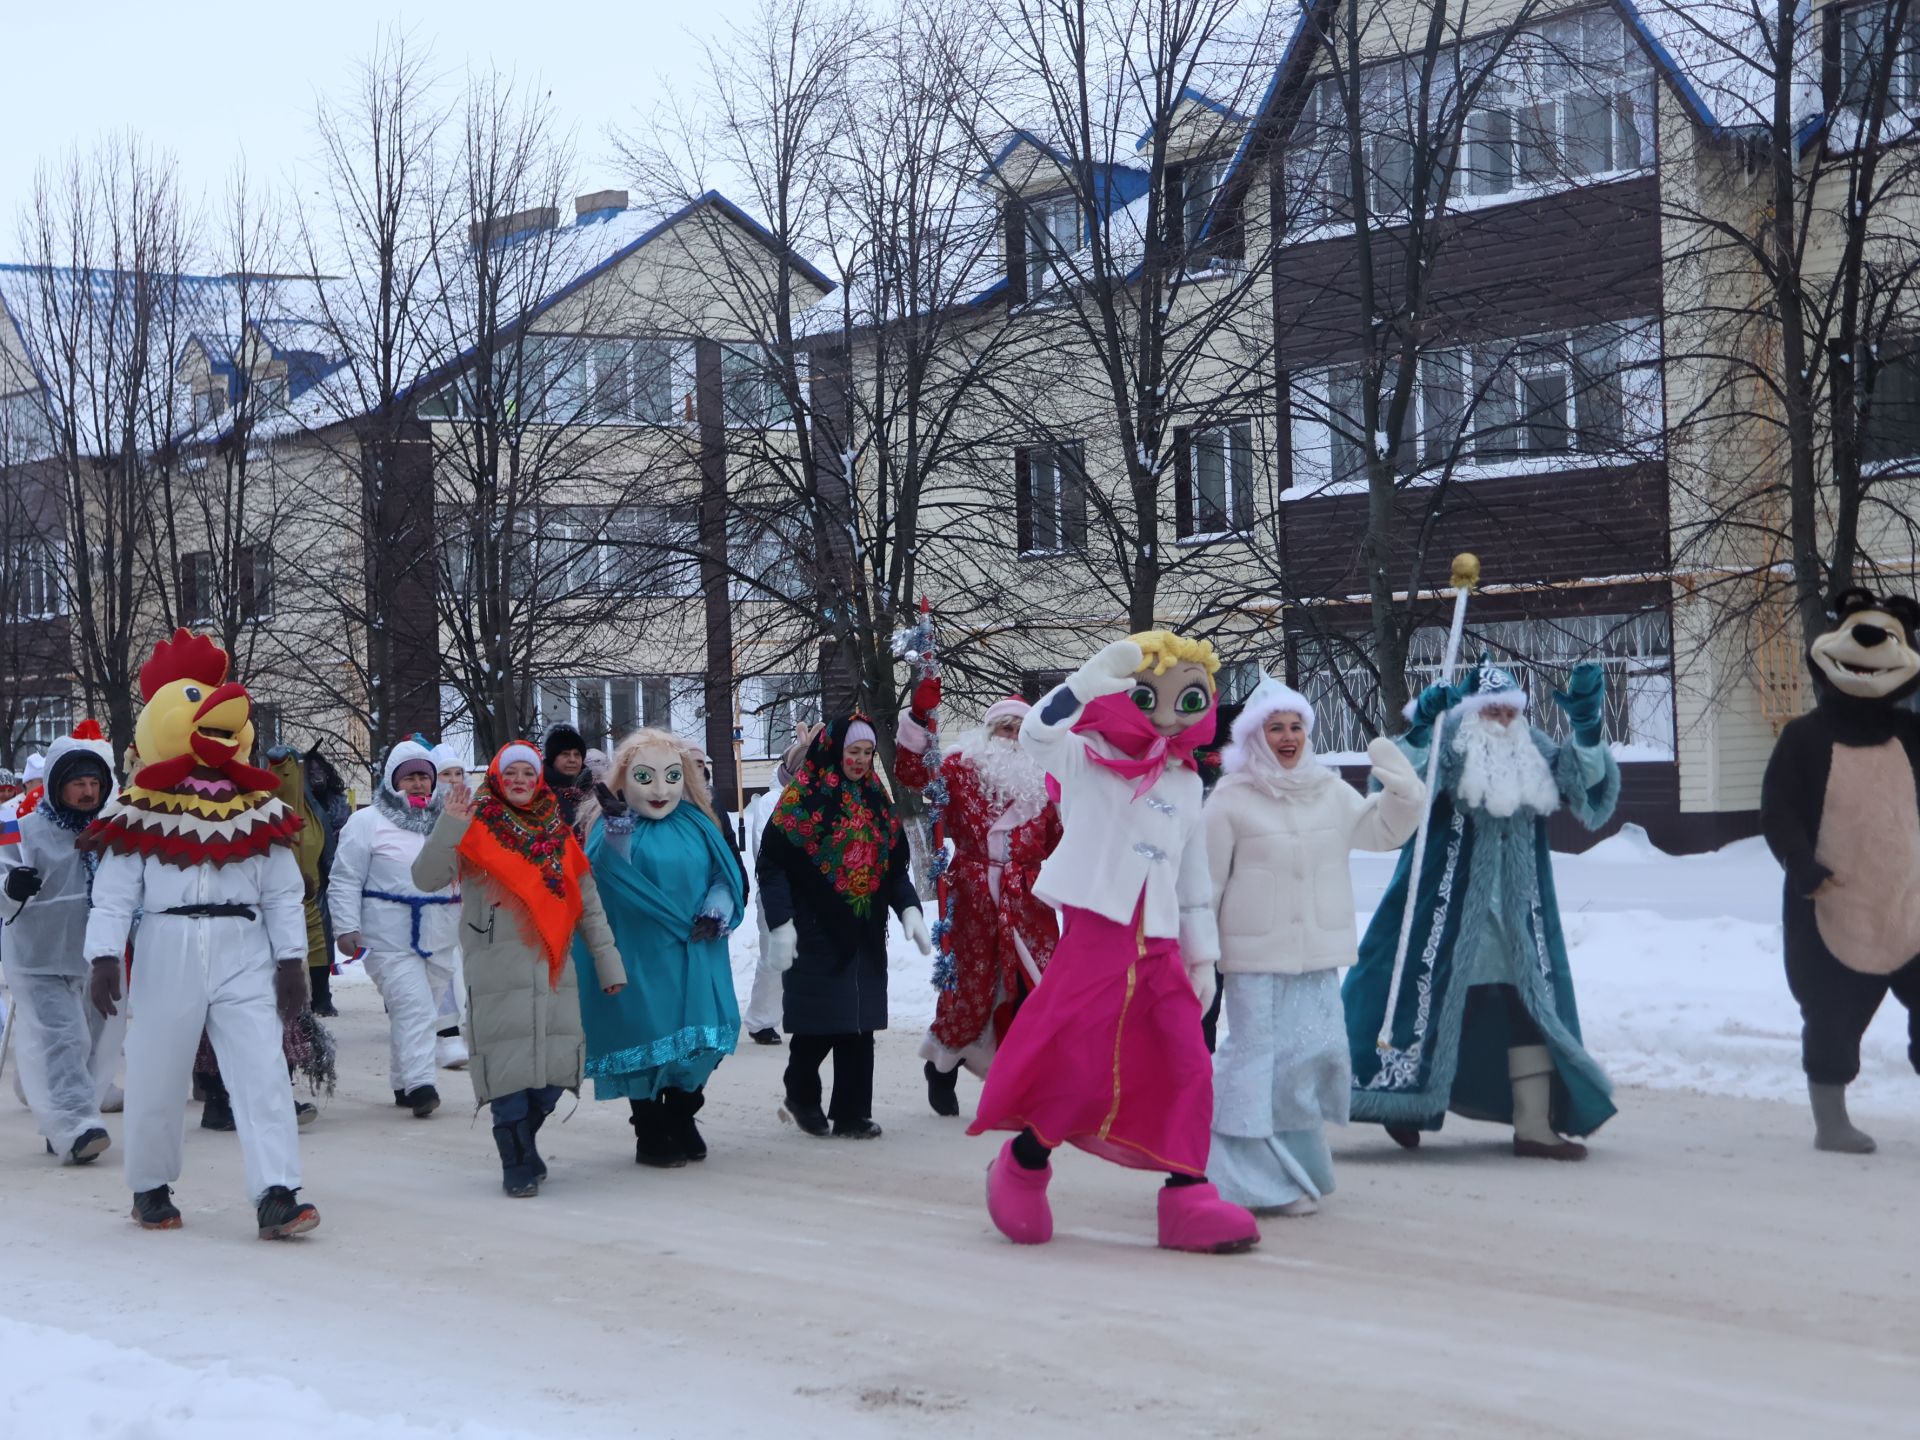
{"type": "Point", "coordinates": [1485, 918]}
{"type": "Point", "coordinates": [677, 1018]}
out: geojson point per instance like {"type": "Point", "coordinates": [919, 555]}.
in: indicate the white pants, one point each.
{"type": "Point", "coordinates": [415, 991]}
{"type": "Point", "coordinates": [175, 994]}
{"type": "Point", "coordinates": [764, 1004]}
{"type": "Point", "coordinates": [66, 1055]}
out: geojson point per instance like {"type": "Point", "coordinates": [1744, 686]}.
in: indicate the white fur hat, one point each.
{"type": "Point", "coordinates": [1269, 698]}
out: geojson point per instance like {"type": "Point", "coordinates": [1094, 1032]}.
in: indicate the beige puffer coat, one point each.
{"type": "Point", "coordinates": [1281, 883]}
{"type": "Point", "coordinates": [523, 1033]}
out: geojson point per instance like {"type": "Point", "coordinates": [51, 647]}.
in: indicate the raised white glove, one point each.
{"type": "Point", "coordinates": [1392, 768]}
{"type": "Point", "coordinates": [781, 946]}
{"type": "Point", "coordinates": [1206, 984]}
{"type": "Point", "coordinates": [1108, 673]}
{"type": "Point", "coordinates": [915, 924]}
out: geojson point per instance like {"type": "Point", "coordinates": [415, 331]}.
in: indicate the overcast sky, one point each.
{"type": "Point", "coordinates": [211, 83]}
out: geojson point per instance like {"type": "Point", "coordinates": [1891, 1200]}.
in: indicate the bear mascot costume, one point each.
{"type": "Point", "coordinates": [1840, 810]}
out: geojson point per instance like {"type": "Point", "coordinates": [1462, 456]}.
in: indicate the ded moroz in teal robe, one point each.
{"type": "Point", "coordinates": [1485, 913]}
{"type": "Point", "coordinates": [677, 1018]}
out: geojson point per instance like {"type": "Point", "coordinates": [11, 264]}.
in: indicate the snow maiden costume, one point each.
{"type": "Point", "coordinates": [200, 845]}
{"type": "Point", "coordinates": [1838, 807]}
{"type": "Point", "coordinates": [1000, 935]}
{"type": "Point", "coordinates": [66, 1052]}
{"type": "Point", "coordinates": [1108, 1053]}
{"type": "Point", "coordinates": [525, 890]}
{"type": "Point", "coordinates": [832, 861]}
{"type": "Point", "coordinates": [408, 934]}
{"type": "Point", "coordinates": [672, 892]}
{"type": "Point", "coordinates": [1278, 838]}
{"type": "Point", "coordinates": [1486, 1024]}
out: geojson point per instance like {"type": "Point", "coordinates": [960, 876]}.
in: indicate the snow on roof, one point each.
{"type": "Point", "coordinates": [1721, 58]}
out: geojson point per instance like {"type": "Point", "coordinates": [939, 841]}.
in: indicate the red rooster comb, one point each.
{"type": "Point", "coordinates": [186, 656]}
{"type": "Point", "coordinates": [88, 730]}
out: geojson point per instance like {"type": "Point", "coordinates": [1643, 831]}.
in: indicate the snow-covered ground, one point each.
{"type": "Point", "coordinates": [1706, 1273]}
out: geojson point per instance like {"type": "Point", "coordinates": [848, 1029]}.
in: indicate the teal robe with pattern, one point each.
{"type": "Point", "coordinates": [1485, 914]}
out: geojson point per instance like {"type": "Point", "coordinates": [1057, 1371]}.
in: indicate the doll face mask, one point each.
{"type": "Point", "coordinates": [1175, 700]}
{"type": "Point", "coordinates": [655, 783]}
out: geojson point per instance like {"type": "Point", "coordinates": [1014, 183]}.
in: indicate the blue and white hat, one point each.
{"type": "Point", "coordinates": [1490, 684]}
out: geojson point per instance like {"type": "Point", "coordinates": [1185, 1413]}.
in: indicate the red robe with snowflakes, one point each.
{"type": "Point", "coordinates": [990, 977]}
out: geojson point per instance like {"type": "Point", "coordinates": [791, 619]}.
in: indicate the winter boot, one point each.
{"type": "Point", "coordinates": [155, 1210]}
{"type": "Point", "coordinates": [677, 1108]}
{"type": "Point", "coordinates": [765, 1035]}
{"type": "Point", "coordinates": [1407, 1137]}
{"type": "Point", "coordinates": [1194, 1217]}
{"type": "Point", "coordinates": [283, 1215]}
{"type": "Point", "coordinates": [320, 991]}
{"type": "Point", "coordinates": [536, 1117]}
{"type": "Point", "coordinates": [217, 1113]}
{"type": "Point", "coordinates": [855, 1130]}
{"type": "Point", "coordinates": [1530, 1067]}
{"type": "Point", "coordinates": [810, 1118]}
{"type": "Point", "coordinates": [943, 1090]}
{"type": "Point", "coordinates": [89, 1147]}
{"type": "Point", "coordinates": [1017, 1199]}
{"type": "Point", "coordinates": [654, 1142]}
{"type": "Point", "coordinates": [519, 1175]}
{"type": "Point", "coordinates": [1832, 1130]}
{"type": "Point", "coordinates": [305, 1113]}
{"type": "Point", "coordinates": [450, 1051]}
{"type": "Point", "coordinates": [423, 1100]}
{"type": "Point", "coordinates": [1298, 1209]}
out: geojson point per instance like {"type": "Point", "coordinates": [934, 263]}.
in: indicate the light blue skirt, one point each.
{"type": "Point", "coordinates": [1281, 1076]}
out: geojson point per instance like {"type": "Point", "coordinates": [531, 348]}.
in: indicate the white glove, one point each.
{"type": "Point", "coordinates": [915, 924]}
{"type": "Point", "coordinates": [1393, 770]}
{"type": "Point", "coordinates": [1108, 673]}
{"type": "Point", "coordinates": [1206, 984]}
{"type": "Point", "coordinates": [781, 945]}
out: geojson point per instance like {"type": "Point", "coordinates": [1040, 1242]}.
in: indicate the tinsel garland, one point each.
{"type": "Point", "coordinates": [916, 647]}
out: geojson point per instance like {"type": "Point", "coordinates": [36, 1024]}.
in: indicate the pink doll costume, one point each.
{"type": "Point", "coordinates": [1107, 1054]}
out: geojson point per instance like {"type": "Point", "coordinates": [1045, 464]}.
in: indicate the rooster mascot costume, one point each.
{"type": "Point", "coordinates": [201, 847]}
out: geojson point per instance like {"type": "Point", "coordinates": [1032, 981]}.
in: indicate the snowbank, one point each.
{"type": "Point", "coordinates": [62, 1386]}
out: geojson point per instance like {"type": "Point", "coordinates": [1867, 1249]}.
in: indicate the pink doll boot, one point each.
{"type": "Point", "coordinates": [1017, 1199]}
{"type": "Point", "coordinates": [1194, 1217]}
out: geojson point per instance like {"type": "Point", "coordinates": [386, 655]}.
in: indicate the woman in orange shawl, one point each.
{"type": "Point", "coordinates": [525, 890]}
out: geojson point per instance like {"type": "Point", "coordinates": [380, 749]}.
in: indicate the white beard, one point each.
{"type": "Point", "coordinates": [1010, 778]}
{"type": "Point", "coordinates": [1502, 772]}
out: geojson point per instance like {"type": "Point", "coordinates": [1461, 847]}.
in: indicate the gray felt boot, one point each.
{"type": "Point", "coordinates": [1831, 1128]}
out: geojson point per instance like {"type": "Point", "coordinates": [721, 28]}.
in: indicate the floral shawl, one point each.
{"type": "Point", "coordinates": [846, 830]}
{"type": "Point", "coordinates": [532, 857]}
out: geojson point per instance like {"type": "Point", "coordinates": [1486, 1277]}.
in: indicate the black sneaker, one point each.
{"type": "Point", "coordinates": [324, 1009]}
{"type": "Point", "coordinates": [810, 1118]}
{"type": "Point", "coordinates": [766, 1036]}
{"type": "Point", "coordinates": [89, 1147]}
{"type": "Point", "coordinates": [305, 1113]}
{"type": "Point", "coordinates": [855, 1130]}
{"type": "Point", "coordinates": [155, 1210]}
{"type": "Point", "coordinates": [400, 1099]}
{"type": "Point", "coordinates": [216, 1114]}
{"type": "Point", "coordinates": [283, 1215]}
{"type": "Point", "coordinates": [943, 1090]}
{"type": "Point", "coordinates": [423, 1100]}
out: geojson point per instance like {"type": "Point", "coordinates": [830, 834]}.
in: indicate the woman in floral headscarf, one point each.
{"type": "Point", "coordinates": [832, 862]}
{"type": "Point", "coordinates": [525, 890]}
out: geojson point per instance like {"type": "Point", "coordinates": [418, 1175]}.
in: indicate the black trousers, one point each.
{"type": "Point", "coordinates": [852, 1073]}
{"type": "Point", "coordinates": [1837, 1005]}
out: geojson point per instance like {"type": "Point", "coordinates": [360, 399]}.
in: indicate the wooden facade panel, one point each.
{"type": "Point", "coordinates": [1585, 256]}
{"type": "Point", "coordinates": [1526, 529]}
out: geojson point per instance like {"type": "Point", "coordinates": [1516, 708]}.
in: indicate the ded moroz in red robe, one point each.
{"type": "Point", "coordinates": [999, 934]}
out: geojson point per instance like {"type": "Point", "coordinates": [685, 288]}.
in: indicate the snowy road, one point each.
{"type": "Point", "coordinates": [1706, 1274]}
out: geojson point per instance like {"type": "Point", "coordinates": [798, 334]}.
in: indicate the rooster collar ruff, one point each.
{"type": "Point", "coordinates": [136, 824]}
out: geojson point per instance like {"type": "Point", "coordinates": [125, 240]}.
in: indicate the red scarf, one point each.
{"type": "Point", "coordinates": [531, 856]}
{"type": "Point", "coordinates": [1123, 725]}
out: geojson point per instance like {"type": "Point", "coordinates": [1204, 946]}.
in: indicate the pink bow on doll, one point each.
{"type": "Point", "coordinates": [1123, 725]}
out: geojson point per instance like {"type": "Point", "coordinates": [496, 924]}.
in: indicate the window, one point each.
{"type": "Point", "coordinates": [1050, 498]}
{"type": "Point", "coordinates": [444, 404]}
{"type": "Point", "coordinates": [38, 573]}
{"type": "Point", "coordinates": [1323, 173]}
{"type": "Point", "coordinates": [1216, 480]}
{"type": "Point", "coordinates": [23, 425]}
{"type": "Point", "coordinates": [753, 394]}
{"type": "Point", "coordinates": [200, 598]}
{"type": "Point", "coordinates": [1036, 683]}
{"type": "Point", "coordinates": [43, 720]}
{"type": "Point", "coordinates": [1237, 680]}
{"type": "Point", "coordinates": [1573, 99]}
{"type": "Point", "coordinates": [1863, 42]}
{"type": "Point", "coordinates": [208, 405]}
{"type": "Point", "coordinates": [1891, 431]}
{"type": "Point", "coordinates": [270, 393]}
{"type": "Point", "coordinates": [1053, 235]}
{"type": "Point", "coordinates": [269, 727]}
{"type": "Point", "coordinates": [253, 578]}
{"type": "Point", "coordinates": [605, 709]}
{"type": "Point", "coordinates": [196, 587]}
{"type": "Point", "coordinates": [778, 704]}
